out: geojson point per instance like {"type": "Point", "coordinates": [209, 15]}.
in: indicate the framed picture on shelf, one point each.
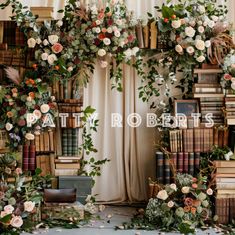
{"type": "Point", "coordinates": [186, 107]}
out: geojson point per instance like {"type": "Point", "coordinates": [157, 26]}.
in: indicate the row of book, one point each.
{"type": "Point", "coordinates": [45, 142]}
{"type": "Point", "coordinates": [225, 186]}
{"type": "Point", "coordinates": [46, 163]}
{"type": "Point", "coordinates": [180, 162]}
{"type": "Point", "coordinates": [230, 109]}
{"type": "Point", "coordinates": [197, 139]}
{"type": "Point", "coordinates": [71, 139]}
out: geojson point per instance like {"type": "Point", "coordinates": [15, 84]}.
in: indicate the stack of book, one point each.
{"type": "Point", "coordinates": [210, 93]}
{"type": "Point", "coordinates": [45, 142]}
{"type": "Point", "coordinates": [181, 162]}
{"type": "Point", "coordinates": [67, 165]}
{"type": "Point", "coordinates": [230, 109]}
{"type": "Point", "coordinates": [29, 157]}
{"type": "Point", "coordinates": [197, 139]}
{"type": "Point", "coordinates": [43, 13]}
{"type": "Point", "coordinates": [225, 184]}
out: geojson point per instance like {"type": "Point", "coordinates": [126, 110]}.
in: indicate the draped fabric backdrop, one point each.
{"type": "Point", "coordinates": [131, 150]}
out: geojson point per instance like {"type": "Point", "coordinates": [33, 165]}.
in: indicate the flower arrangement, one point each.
{"type": "Point", "coordinates": [26, 109]}
{"type": "Point", "coordinates": [228, 80]}
{"type": "Point", "coordinates": [182, 206]}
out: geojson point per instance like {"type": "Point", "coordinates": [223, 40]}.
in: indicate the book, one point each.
{"type": "Point", "coordinates": [167, 172]}
{"type": "Point", "coordinates": [225, 180]}
{"type": "Point", "coordinates": [186, 162]}
{"type": "Point", "coordinates": [52, 164]}
{"type": "Point", "coordinates": [25, 157]}
{"type": "Point", "coordinates": [51, 141]}
{"type": "Point", "coordinates": [207, 78]}
{"type": "Point", "coordinates": [41, 141]}
{"type": "Point", "coordinates": [185, 141]}
{"type": "Point", "coordinates": [226, 191]}
{"type": "Point", "coordinates": [146, 32]}
{"type": "Point", "coordinates": [191, 164]}
{"type": "Point", "coordinates": [69, 141]}
{"type": "Point", "coordinates": [139, 35]}
{"type": "Point", "coordinates": [225, 170]}
{"type": "Point", "coordinates": [67, 165]}
{"type": "Point", "coordinates": [32, 157]}
{"type": "Point", "coordinates": [196, 137]}
{"type": "Point", "coordinates": [229, 175]}
{"type": "Point", "coordinates": [9, 32]}
{"type": "Point", "coordinates": [220, 137]}
{"type": "Point", "coordinates": [206, 140]}
{"type": "Point", "coordinates": [222, 210]}
{"type": "Point", "coordinates": [160, 167]}
{"type": "Point", "coordinates": [207, 71]}
{"type": "Point", "coordinates": [66, 172]}
{"type": "Point", "coordinates": [228, 164]}
{"type": "Point", "coordinates": [221, 196]}
{"type": "Point", "coordinates": [37, 143]}
{"type": "Point", "coordinates": [196, 162]}
{"type": "Point", "coordinates": [20, 38]}
{"type": "Point", "coordinates": [225, 185]}
{"type": "Point", "coordinates": [46, 141]}
{"type": "Point", "coordinates": [75, 141]}
{"type": "Point", "coordinates": [199, 95]}
{"type": "Point", "coordinates": [69, 157]}
{"type": "Point", "coordinates": [180, 162]}
{"type": "Point", "coordinates": [153, 35]}
{"type": "Point", "coordinates": [64, 141]}
{"type": "Point", "coordinates": [231, 209]}
{"type": "Point", "coordinates": [66, 161]}
{"type": "Point", "coordinates": [190, 140]}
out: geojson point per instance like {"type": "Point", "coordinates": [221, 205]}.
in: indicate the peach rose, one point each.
{"type": "Point", "coordinates": [18, 171]}
{"type": "Point", "coordinates": [29, 206]}
{"type": "Point", "coordinates": [9, 114]}
{"type": "Point", "coordinates": [16, 222]}
{"type": "Point", "coordinates": [57, 48]}
{"type": "Point", "coordinates": [8, 209]}
{"type": "Point", "coordinates": [14, 90]}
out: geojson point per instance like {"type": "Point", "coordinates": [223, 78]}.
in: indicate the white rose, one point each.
{"type": "Point", "coordinates": [97, 30]}
{"type": "Point", "coordinates": [45, 108]}
{"type": "Point", "coordinates": [59, 23]}
{"type": "Point", "coordinates": [173, 186]}
{"type": "Point", "coordinates": [103, 64]}
{"type": "Point", "coordinates": [128, 53]}
{"type": "Point", "coordinates": [135, 50]}
{"type": "Point", "coordinates": [8, 209]}
{"type": "Point", "coordinates": [170, 204]}
{"type": "Point", "coordinates": [205, 23]}
{"type": "Point", "coordinates": [179, 49]}
{"type": "Point", "coordinates": [51, 59]}
{"type": "Point", "coordinates": [215, 18]}
{"type": "Point", "coordinates": [98, 22]}
{"type": "Point", "coordinates": [189, 31]}
{"type": "Point", "coordinates": [185, 190]}
{"type": "Point", "coordinates": [109, 30]}
{"type": "Point", "coordinates": [101, 52]}
{"type": "Point", "coordinates": [207, 43]}
{"type": "Point", "coordinates": [45, 42]}
{"type": "Point", "coordinates": [211, 24]}
{"type": "Point", "coordinates": [199, 22]}
{"type": "Point", "coordinates": [162, 195]}
{"type": "Point", "coordinates": [201, 58]}
{"type": "Point", "coordinates": [115, 28]}
{"type": "Point", "coordinates": [201, 29]}
{"type": "Point", "coordinates": [119, 22]}
{"type": "Point", "coordinates": [122, 44]}
{"type": "Point", "coordinates": [38, 40]}
{"type": "Point", "coordinates": [44, 56]}
{"type": "Point", "coordinates": [209, 191]}
{"type": "Point", "coordinates": [31, 42]}
{"type": "Point", "coordinates": [200, 45]}
{"type": "Point", "coordinates": [37, 114]}
{"type": "Point", "coordinates": [192, 23]}
{"type": "Point", "coordinates": [117, 34]}
{"type": "Point", "coordinates": [70, 69]}
{"type": "Point", "coordinates": [107, 41]}
{"type": "Point", "coordinates": [16, 222]}
{"type": "Point", "coordinates": [176, 24]}
{"type": "Point", "coordinates": [201, 9]}
{"type": "Point", "coordinates": [190, 50]}
{"type": "Point", "coordinates": [8, 126]}
{"type": "Point", "coordinates": [53, 39]}
{"type": "Point", "coordinates": [29, 136]}
{"type": "Point", "coordinates": [29, 206]}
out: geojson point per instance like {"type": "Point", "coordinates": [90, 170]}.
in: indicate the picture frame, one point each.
{"type": "Point", "coordinates": [186, 107]}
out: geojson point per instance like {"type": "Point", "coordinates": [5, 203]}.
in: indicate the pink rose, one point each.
{"type": "Point", "coordinates": [16, 222]}
{"type": "Point", "coordinates": [227, 77]}
{"type": "Point", "coordinates": [233, 66]}
{"type": "Point", "coordinates": [21, 122]}
{"type": "Point", "coordinates": [57, 48]}
{"type": "Point", "coordinates": [18, 171]}
{"type": "Point", "coordinates": [194, 186]}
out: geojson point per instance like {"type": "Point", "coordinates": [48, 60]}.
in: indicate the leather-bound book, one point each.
{"type": "Point", "coordinates": [186, 162]}
{"type": "Point", "coordinates": [26, 157]}
{"type": "Point", "coordinates": [196, 162]}
{"type": "Point", "coordinates": [160, 167]}
{"type": "Point", "coordinates": [180, 162]}
{"type": "Point", "coordinates": [32, 157]}
{"type": "Point", "coordinates": [139, 34]}
{"type": "Point", "coordinates": [167, 172]}
{"type": "Point", "coordinates": [220, 138]}
{"type": "Point", "coordinates": [225, 139]}
{"type": "Point", "coordinates": [191, 163]}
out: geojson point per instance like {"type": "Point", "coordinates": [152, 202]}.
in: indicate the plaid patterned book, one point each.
{"type": "Point", "coordinates": [185, 141]}
{"type": "Point", "coordinates": [174, 162]}
{"type": "Point", "coordinates": [75, 141]}
{"type": "Point", "coordinates": [160, 167]}
{"type": "Point", "coordinates": [206, 138]}
{"type": "Point", "coordinates": [70, 142]}
{"type": "Point", "coordinates": [25, 157]}
{"type": "Point", "coordinates": [9, 34]}
{"type": "Point", "coordinates": [186, 162]}
{"type": "Point", "coordinates": [196, 162]}
{"type": "Point", "coordinates": [64, 141]}
{"type": "Point", "coordinates": [202, 140]}
{"type": "Point", "coordinates": [167, 172]}
{"type": "Point", "coordinates": [180, 162]}
{"type": "Point", "coordinates": [191, 163]}
{"type": "Point", "coordinates": [20, 38]}
{"type": "Point", "coordinates": [197, 143]}
{"type": "Point", "coordinates": [32, 157]}
{"type": "Point", "coordinates": [190, 140]}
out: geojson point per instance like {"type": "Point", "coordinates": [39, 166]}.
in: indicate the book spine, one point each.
{"type": "Point", "coordinates": [160, 167]}
{"type": "Point", "coordinates": [26, 157]}
{"type": "Point", "coordinates": [146, 36]}
{"type": "Point", "coordinates": [153, 37]}
{"type": "Point", "coordinates": [167, 172]}
{"type": "Point", "coordinates": [225, 139]}
{"type": "Point", "coordinates": [65, 141]}
{"type": "Point", "coordinates": [197, 140]}
{"type": "Point", "coordinates": [75, 141]}
{"type": "Point", "coordinates": [185, 146]}
{"type": "Point", "coordinates": [32, 157]}
{"type": "Point", "coordinates": [70, 142]}
{"type": "Point", "coordinates": [231, 209]}
{"type": "Point", "coordinates": [174, 164]}
{"type": "Point", "coordinates": [186, 162]}
{"type": "Point", "coordinates": [139, 34]}
{"type": "Point", "coordinates": [196, 162]}
{"type": "Point", "coordinates": [191, 163]}
{"type": "Point", "coordinates": [220, 138]}
{"type": "Point", "coordinates": [51, 141]}
{"type": "Point", "coordinates": [180, 162]}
